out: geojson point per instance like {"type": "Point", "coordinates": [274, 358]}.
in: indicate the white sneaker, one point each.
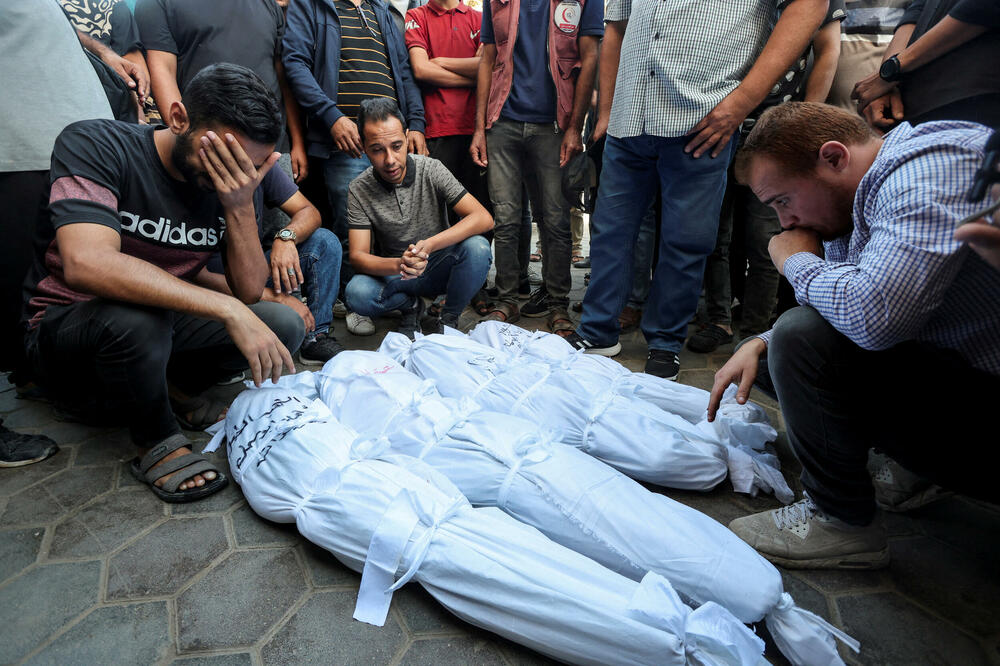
{"type": "Point", "coordinates": [360, 324]}
{"type": "Point", "coordinates": [801, 536]}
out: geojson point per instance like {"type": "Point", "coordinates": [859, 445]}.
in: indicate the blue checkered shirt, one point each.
{"type": "Point", "coordinates": [680, 58]}
{"type": "Point", "coordinates": [899, 275]}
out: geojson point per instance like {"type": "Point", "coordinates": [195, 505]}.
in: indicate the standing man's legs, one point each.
{"type": "Point", "coordinates": [628, 187]}
{"type": "Point", "coordinates": [506, 150]}
{"type": "Point", "coordinates": [692, 200]}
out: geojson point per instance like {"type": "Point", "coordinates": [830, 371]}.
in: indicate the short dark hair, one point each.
{"type": "Point", "coordinates": [376, 110]}
{"type": "Point", "coordinates": [233, 96]}
{"type": "Point", "coordinates": [792, 133]}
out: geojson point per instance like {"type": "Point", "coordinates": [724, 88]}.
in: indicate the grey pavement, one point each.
{"type": "Point", "coordinates": [95, 570]}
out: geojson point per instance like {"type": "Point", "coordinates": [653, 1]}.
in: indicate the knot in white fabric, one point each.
{"type": "Point", "coordinates": [804, 637]}
{"type": "Point", "coordinates": [530, 448]}
{"type": "Point", "coordinates": [386, 550]}
{"type": "Point", "coordinates": [597, 409]}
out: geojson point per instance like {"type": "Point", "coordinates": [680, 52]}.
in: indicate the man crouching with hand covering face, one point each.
{"type": "Point", "coordinates": [116, 328]}
{"type": "Point", "coordinates": [889, 302]}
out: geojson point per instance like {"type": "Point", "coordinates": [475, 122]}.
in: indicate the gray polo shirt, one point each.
{"type": "Point", "coordinates": [399, 215]}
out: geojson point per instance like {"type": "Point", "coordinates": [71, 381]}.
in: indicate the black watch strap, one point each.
{"type": "Point", "coordinates": [891, 70]}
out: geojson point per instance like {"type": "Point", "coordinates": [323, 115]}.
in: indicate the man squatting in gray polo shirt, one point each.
{"type": "Point", "coordinates": [403, 200]}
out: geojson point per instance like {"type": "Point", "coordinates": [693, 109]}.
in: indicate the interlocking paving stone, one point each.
{"type": "Point", "coordinates": [41, 601]}
{"type": "Point", "coordinates": [957, 585]}
{"type": "Point", "coordinates": [76, 486]}
{"type": "Point", "coordinates": [18, 549]}
{"type": "Point", "coordinates": [69, 432]}
{"type": "Point", "coordinates": [717, 503]}
{"type": "Point", "coordinates": [31, 415]}
{"type": "Point", "coordinates": [703, 379]}
{"type": "Point", "coordinates": [161, 562]}
{"type": "Point", "coordinates": [252, 530]}
{"type": "Point", "coordinates": [16, 479]}
{"type": "Point", "coordinates": [238, 659]}
{"type": "Point", "coordinates": [894, 631]}
{"type": "Point", "coordinates": [325, 569]}
{"type": "Point", "coordinates": [844, 581]}
{"type": "Point", "coordinates": [32, 506]}
{"type": "Point", "coordinates": [140, 634]}
{"type": "Point", "coordinates": [805, 596]}
{"type": "Point", "coordinates": [106, 447]}
{"type": "Point", "coordinates": [106, 524]}
{"type": "Point", "coordinates": [459, 651]}
{"type": "Point", "coordinates": [422, 614]}
{"type": "Point", "coordinates": [239, 600]}
{"type": "Point", "coordinates": [323, 631]}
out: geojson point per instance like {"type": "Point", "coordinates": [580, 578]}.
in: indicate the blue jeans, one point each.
{"type": "Point", "coordinates": [320, 257]}
{"type": "Point", "coordinates": [338, 171]}
{"type": "Point", "coordinates": [692, 192]}
{"type": "Point", "coordinates": [643, 267]}
{"type": "Point", "coordinates": [457, 271]}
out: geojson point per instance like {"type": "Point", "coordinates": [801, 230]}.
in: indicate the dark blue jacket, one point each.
{"type": "Point", "coordinates": [312, 66]}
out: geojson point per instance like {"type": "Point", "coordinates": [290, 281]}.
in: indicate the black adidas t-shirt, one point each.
{"type": "Point", "coordinates": [108, 172]}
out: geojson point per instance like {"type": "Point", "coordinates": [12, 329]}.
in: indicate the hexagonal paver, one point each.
{"type": "Point", "coordinates": [423, 615]}
{"type": "Point", "coordinates": [457, 650]}
{"type": "Point", "coordinates": [324, 632]}
{"type": "Point", "coordinates": [69, 433]}
{"type": "Point", "coordinates": [845, 581]}
{"type": "Point", "coordinates": [140, 634]}
{"type": "Point", "coordinates": [238, 659]}
{"type": "Point", "coordinates": [239, 600]}
{"type": "Point", "coordinates": [41, 601]}
{"type": "Point", "coordinates": [106, 524]}
{"type": "Point", "coordinates": [965, 524]}
{"type": "Point", "coordinates": [16, 479]}
{"type": "Point", "coordinates": [252, 530]}
{"type": "Point", "coordinates": [106, 447]}
{"type": "Point", "coordinates": [60, 493]}
{"type": "Point", "coordinates": [805, 596]}
{"type": "Point", "coordinates": [325, 569]}
{"type": "Point", "coordinates": [965, 590]}
{"type": "Point", "coordinates": [34, 506]}
{"type": "Point", "coordinates": [894, 631]}
{"type": "Point", "coordinates": [161, 562]}
{"type": "Point", "coordinates": [18, 549]}
{"type": "Point", "coordinates": [30, 415]}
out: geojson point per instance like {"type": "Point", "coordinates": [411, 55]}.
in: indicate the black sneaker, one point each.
{"type": "Point", "coordinates": [409, 323]}
{"type": "Point", "coordinates": [320, 350]}
{"type": "Point", "coordinates": [17, 449]}
{"type": "Point", "coordinates": [663, 363]}
{"type": "Point", "coordinates": [708, 338]}
{"type": "Point", "coordinates": [538, 304]}
{"type": "Point", "coordinates": [523, 287]}
{"type": "Point", "coordinates": [579, 342]}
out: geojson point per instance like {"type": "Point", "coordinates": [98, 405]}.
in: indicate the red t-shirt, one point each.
{"type": "Point", "coordinates": [449, 34]}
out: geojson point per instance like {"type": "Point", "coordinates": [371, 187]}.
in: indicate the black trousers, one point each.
{"type": "Point", "coordinates": [924, 406]}
{"type": "Point", "coordinates": [453, 152]}
{"type": "Point", "coordinates": [109, 362]}
{"type": "Point", "coordinates": [24, 198]}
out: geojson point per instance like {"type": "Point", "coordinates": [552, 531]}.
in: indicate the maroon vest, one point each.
{"type": "Point", "coordinates": [563, 51]}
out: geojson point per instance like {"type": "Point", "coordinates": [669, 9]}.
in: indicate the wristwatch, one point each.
{"type": "Point", "coordinates": [891, 70]}
{"type": "Point", "coordinates": [286, 234]}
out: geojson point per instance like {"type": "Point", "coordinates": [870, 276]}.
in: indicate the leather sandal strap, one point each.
{"type": "Point", "coordinates": [162, 450]}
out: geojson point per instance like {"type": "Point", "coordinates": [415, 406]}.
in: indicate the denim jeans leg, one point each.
{"type": "Point", "coordinates": [718, 287]}
{"type": "Point", "coordinates": [627, 189]}
{"type": "Point", "coordinates": [338, 171]}
{"type": "Point", "coordinates": [472, 259]}
{"type": "Point", "coordinates": [373, 295]}
{"type": "Point", "coordinates": [692, 200]}
{"type": "Point", "coordinates": [505, 146]}
{"type": "Point", "coordinates": [545, 183]}
{"type": "Point", "coordinates": [320, 257]}
{"type": "Point", "coordinates": [761, 291]}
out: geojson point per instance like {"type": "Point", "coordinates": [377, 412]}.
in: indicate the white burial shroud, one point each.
{"type": "Point", "coordinates": [738, 433]}
{"type": "Point", "coordinates": [396, 519]}
{"type": "Point", "coordinates": [574, 499]}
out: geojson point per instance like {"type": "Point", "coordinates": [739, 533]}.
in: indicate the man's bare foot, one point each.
{"type": "Point", "coordinates": [195, 481]}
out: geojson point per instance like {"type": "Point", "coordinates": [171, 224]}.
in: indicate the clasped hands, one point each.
{"type": "Point", "coordinates": [414, 260]}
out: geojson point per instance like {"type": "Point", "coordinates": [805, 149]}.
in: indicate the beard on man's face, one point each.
{"type": "Point", "coordinates": [183, 156]}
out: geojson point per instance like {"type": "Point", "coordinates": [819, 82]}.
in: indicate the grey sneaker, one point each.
{"type": "Point", "coordinates": [801, 536]}
{"type": "Point", "coordinates": [897, 488]}
{"type": "Point", "coordinates": [339, 309]}
{"type": "Point", "coordinates": [359, 324]}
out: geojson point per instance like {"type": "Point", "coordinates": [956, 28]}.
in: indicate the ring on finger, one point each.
{"type": "Point", "coordinates": [291, 272]}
